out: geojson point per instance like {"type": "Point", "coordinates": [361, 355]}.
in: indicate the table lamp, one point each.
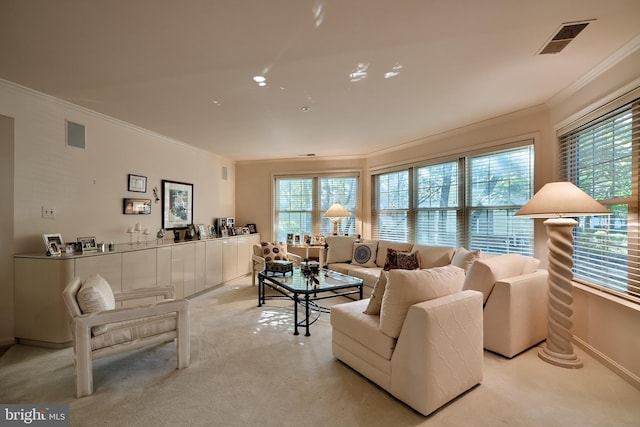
{"type": "Point", "coordinates": [335, 212]}
{"type": "Point", "coordinates": [559, 201]}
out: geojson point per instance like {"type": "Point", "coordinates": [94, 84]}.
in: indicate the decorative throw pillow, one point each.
{"type": "Point", "coordinates": [401, 260]}
{"type": "Point", "coordinates": [408, 287]}
{"type": "Point", "coordinates": [95, 295]}
{"type": "Point", "coordinates": [339, 248]}
{"type": "Point", "coordinates": [274, 251]}
{"type": "Point", "coordinates": [375, 300]}
{"type": "Point", "coordinates": [463, 258]}
{"type": "Point", "coordinates": [383, 245]}
{"type": "Point", "coordinates": [364, 254]}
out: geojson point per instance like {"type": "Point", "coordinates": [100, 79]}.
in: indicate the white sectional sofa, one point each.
{"type": "Point", "coordinates": [342, 257]}
{"type": "Point", "coordinates": [514, 289]}
{"type": "Point", "coordinates": [425, 345]}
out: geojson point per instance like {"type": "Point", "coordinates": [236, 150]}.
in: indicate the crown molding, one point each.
{"type": "Point", "coordinates": [627, 49]}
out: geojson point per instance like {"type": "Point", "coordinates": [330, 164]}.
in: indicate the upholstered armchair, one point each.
{"type": "Point", "coordinates": [514, 300]}
{"type": "Point", "coordinates": [99, 329]}
{"type": "Point", "coordinates": [270, 251]}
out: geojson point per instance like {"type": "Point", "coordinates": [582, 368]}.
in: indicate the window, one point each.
{"type": "Point", "coordinates": [466, 202]}
{"type": "Point", "coordinates": [392, 207]}
{"type": "Point", "coordinates": [437, 205]}
{"type": "Point", "coordinates": [601, 158]}
{"type": "Point", "coordinates": [500, 183]}
{"type": "Point", "coordinates": [301, 201]}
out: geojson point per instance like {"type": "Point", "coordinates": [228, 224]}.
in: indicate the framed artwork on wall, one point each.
{"type": "Point", "coordinates": [137, 183]}
{"type": "Point", "coordinates": [137, 206]}
{"type": "Point", "coordinates": [177, 204]}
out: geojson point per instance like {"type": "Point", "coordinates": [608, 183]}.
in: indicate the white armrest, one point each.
{"type": "Point", "coordinates": [515, 315]}
{"type": "Point", "coordinates": [439, 351]}
{"type": "Point", "coordinates": [295, 259]}
{"type": "Point", "coordinates": [122, 314]}
{"type": "Point", "coordinates": [165, 291]}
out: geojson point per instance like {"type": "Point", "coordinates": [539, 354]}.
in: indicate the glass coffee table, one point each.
{"type": "Point", "coordinates": [306, 289]}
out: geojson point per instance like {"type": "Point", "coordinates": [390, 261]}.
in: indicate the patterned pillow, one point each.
{"type": "Point", "coordinates": [274, 251]}
{"type": "Point", "coordinates": [364, 254]}
{"type": "Point", "coordinates": [401, 260]}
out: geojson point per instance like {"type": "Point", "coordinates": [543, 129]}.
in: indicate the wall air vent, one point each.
{"type": "Point", "coordinates": [564, 36]}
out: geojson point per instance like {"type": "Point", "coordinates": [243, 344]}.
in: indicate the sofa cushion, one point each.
{"type": "Point", "coordinates": [339, 248]}
{"type": "Point", "coordinates": [364, 254]}
{"type": "Point", "coordinates": [463, 258]}
{"type": "Point", "coordinates": [401, 260]}
{"type": "Point", "coordinates": [433, 256]}
{"type": "Point", "coordinates": [484, 273]}
{"type": "Point", "coordinates": [408, 287]}
{"type": "Point", "coordinates": [375, 300]}
{"type": "Point", "coordinates": [340, 267]}
{"type": "Point", "coordinates": [363, 328]}
{"type": "Point", "coordinates": [369, 275]}
{"type": "Point", "coordinates": [131, 330]}
{"type": "Point", "coordinates": [274, 251]}
{"type": "Point", "coordinates": [383, 245]}
{"type": "Point", "coordinates": [95, 295]}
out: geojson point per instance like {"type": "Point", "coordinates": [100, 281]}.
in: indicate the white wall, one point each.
{"type": "Point", "coordinates": [87, 186]}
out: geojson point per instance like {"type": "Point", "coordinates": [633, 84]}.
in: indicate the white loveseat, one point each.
{"type": "Point", "coordinates": [425, 346]}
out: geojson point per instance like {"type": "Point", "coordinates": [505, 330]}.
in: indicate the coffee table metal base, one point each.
{"type": "Point", "coordinates": [304, 297]}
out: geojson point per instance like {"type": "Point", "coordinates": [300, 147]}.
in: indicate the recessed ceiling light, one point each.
{"type": "Point", "coordinates": [306, 109]}
{"type": "Point", "coordinates": [259, 79]}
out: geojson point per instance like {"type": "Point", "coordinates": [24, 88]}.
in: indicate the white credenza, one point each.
{"type": "Point", "coordinates": [190, 267]}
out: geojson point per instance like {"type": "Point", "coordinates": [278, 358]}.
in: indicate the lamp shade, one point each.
{"type": "Point", "coordinates": [561, 199]}
{"type": "Point", "coordinates": [336, 211]}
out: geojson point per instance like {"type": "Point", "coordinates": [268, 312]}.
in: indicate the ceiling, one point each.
{"type": "Point", "coordinates": [371, 74]}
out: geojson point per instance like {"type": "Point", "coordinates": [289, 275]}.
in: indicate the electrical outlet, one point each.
{"type": "Point", "coordinates": [48, 212]}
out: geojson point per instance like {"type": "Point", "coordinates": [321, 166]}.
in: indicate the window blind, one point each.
{"type": "Point", "coordinates": [465, 202]}
{"type": "Point", "coordinates": [390, 210]}
{"type": "Point", "coordinates": [601, 157]}
{"type": "Point", "coordinates": [300, 203]}
{"type": "Point", "coordinates": [438, 205]}
{"type": "Point", "coordinates": [499, 184]}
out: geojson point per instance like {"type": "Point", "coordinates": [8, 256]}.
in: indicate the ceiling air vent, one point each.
{"type": "Point", "coordinates": [563, 37]}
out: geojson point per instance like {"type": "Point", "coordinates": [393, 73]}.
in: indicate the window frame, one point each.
{"type": "Point", "coordinates": [620, 281]}
{"type": "Point", "coordinates": [319, 224]}
{"type": "Point", "coordinates": [463, 211]}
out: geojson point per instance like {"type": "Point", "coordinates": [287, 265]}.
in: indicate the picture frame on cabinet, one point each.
{"type": "Point", "coordinates": [88, 244]}
{"type": "Point", "coordinates": [252, 228]}
{"type": "Point", "coordinates": [55, 239]}
{"type": "Point", "coordinates": [202, 232]}
{"type": "Point", "coordinates": [177, 204]}
{"type": "Point", "coordinates": [137, 183]}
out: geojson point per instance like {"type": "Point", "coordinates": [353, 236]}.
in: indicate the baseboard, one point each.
{"type": "Point", "coordinates": [7, 343]}
{"type": "Point", "coordinates": [620, 370]}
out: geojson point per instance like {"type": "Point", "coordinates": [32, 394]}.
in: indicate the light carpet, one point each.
{"type": "Point", "coordinates": [248, 369]}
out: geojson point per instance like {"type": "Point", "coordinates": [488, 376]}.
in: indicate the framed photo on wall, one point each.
{"type": "Point", "coordinates": [137, 183]}
{"type": "Point", "coordinates": [137, 206]}
{"type": "Point", "coordinates": [177, 204]}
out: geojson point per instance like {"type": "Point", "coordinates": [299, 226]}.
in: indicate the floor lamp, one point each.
{"type": "Point", "coordinates": [335, 212]}
{"type": "Point", "coordinates": [559, 201]}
